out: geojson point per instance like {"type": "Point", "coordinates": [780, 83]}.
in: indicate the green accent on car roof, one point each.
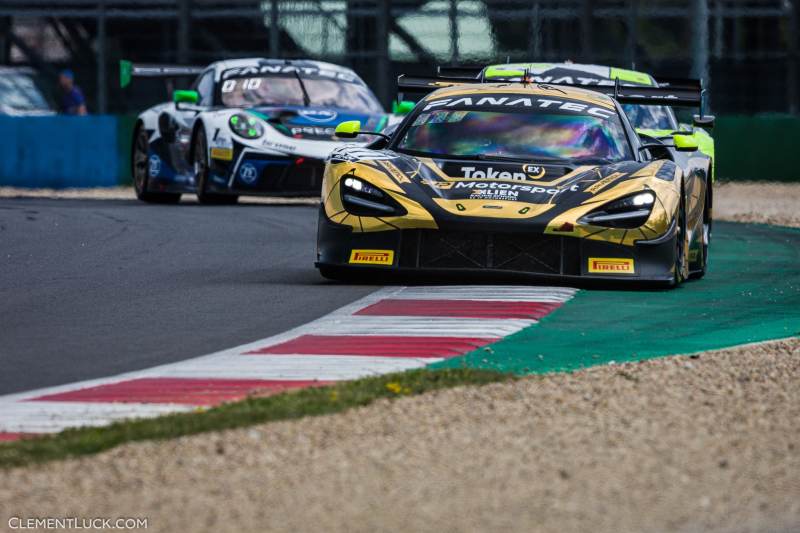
{"type": "Point", "coordinates": [631, 76]}
{"type": "Point", "coordinates": [503, 71]}
{"type": "Point", "coordinates": [382, 123]}
{"type": "Point", "coordinates": [751, 293]}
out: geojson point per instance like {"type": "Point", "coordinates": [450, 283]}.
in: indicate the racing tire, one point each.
{"type": "Point", "coordinates": [140, 171]}
{"type": "Point", "coordinates": [202, 170]}
{"type": "Point", "coordinates": [681, 245]}
{"type": "Point", "coordinates": [702, 263]}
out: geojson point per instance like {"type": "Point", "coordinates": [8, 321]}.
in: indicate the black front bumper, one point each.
{"type": "Point", "coordinates": [535, 255]}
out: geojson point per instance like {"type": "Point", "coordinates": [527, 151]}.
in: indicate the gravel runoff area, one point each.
{"type": "Point", "coordinates": [765, 202]}
{"type": "Point", "coordinates": [709, 443]}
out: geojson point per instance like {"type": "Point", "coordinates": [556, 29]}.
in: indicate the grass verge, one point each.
{"type": "Point", "coordinates": [312, 401]}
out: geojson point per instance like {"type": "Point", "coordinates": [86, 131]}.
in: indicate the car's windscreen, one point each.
{"type": "Point", "coordinates": [18, 91]}
{"type": "Point", "coordinates": [548, 129]}
{"type": "Point", "coordinates": [272, 90]}
{"type": "Point", "coordinates": [650, 117]}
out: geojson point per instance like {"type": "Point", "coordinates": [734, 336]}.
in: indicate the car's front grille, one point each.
{"type": "Point", "coordinates": [521, 252]}
{"type": "Point", "coordinates": [307, 176]}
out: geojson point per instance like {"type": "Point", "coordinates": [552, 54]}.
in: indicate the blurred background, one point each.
{"type": "Point", "coordinates": [746, 50]}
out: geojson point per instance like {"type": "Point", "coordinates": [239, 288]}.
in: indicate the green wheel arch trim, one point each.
{"type": "Point", "coordinates": [751, 293]}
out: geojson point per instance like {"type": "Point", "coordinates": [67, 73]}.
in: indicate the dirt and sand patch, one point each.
{"type": "Point", "coordinates": [673, 444]}
{"type": "Point", "coordinates": [764, 202]}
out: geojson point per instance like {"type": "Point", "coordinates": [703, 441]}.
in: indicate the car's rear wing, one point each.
{"type": "Point", "coordinates": [128, 70]}
{"type": "Point", "coordinates": [460, 71]}
{"type": "Point", "coordinates": [476, 72]}
{"type": "Point", "coordinates": [683, 93]}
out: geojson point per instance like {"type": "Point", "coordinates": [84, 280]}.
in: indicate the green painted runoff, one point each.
{"type": "Point", "coordinates": [751, 293]}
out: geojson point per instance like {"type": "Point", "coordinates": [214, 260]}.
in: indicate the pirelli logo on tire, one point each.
{"type": "Point", "coordinates": [611, 265]}
{"type": "Point", "coordinates": [372, 257]}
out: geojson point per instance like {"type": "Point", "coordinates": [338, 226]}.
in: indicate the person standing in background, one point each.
{"type": "Point", "coordinates": [72, 100]}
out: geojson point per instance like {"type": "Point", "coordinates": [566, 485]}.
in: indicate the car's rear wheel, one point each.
{"type": "Point", "coordinates": [681, 245]}
{"type": "Point", "coordinates": [140, 171]}
{"type": "Point", "coordinates": [202, 171]}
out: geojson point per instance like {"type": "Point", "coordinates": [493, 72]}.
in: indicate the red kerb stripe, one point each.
{"type": "Point", "coordinates": [376, 345]}
{"type": "Point", "coordinates": [7, 436]}
{"type": "Point", "coordinates": [176, 390]}
{"type": "Point", "coordinates": [460, 308]}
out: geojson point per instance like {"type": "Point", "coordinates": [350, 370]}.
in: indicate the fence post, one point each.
{"type": "Point", "coordinates": [587, 39]}
{"type": "Point", "coordinates": [453, 32]}
{"type": "Point", "coordinates": [700, 40]}
{"type": "Point", "coordinates": [184, 12]}
{"type": "Point", "coordinates": [383, 13]}
{"type": "Point", "coordinates": [102, 46]}
{"type": "Point", "coordinates": [633, 34]}
{"type": "Point", "coordinates": [274, 31]}
{"type": "Point", "coordinates": [793, 59]}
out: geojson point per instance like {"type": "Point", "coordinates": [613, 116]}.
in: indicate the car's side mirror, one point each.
{"type": "Point", "coordinates": [704, 121]}
{"type": "Point", "coordinates": [404, 107]}
{"type": "Point", "coordinates": [185, 97]}
{"type": "Point", "coordinates": [684, 142]}
{"type": "Point", "coordinates": [348, 129]}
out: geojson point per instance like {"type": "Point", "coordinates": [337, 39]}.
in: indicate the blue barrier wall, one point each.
{"type": "Point", "coordinates": [59, 151]}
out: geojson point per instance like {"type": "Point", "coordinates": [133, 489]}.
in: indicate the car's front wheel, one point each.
{"type": "Point", "coordinates": [202, 170]}
{"type": "Point", "coordinates": [140, 171]}
{"type": "Point", "coordinates": [681, 245]}
{"type": "Point", "coordinates": [699, 267]}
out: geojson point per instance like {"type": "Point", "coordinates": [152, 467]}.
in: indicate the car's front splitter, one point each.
{"type": "Point", "coordinates": [549, 257]}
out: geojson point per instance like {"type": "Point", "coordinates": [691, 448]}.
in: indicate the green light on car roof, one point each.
{"type": "Point", "coordinates": [252, 132]}
{"type": "Point", "coordinates": [234, 120]}
{"type": "Point", "coordinates": [251, 121]}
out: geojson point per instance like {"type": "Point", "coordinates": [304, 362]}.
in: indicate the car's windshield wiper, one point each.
{"type": "Point", "coordinates": [517, 159]}
{"type": "Point", "coordinates": [592, 161]}
{"type": "Point", "coordinates": [306, 98]}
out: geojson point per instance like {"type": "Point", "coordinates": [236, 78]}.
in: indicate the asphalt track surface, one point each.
{"type": "Point", "coordinates": [94, 288]}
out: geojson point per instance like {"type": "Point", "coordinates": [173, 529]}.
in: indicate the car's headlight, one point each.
{"type": "Point", "coordinates": [246, 126]}
{"type": "Point", "coordinates": [629, 212]}
{"type": "Point", "coordinates": [363, 199]}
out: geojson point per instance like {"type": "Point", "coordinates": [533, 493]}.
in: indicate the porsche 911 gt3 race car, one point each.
{"type": "Point", "coordinates": [246, 127]}
{"type": "Point", "coordinates": [520, 177]}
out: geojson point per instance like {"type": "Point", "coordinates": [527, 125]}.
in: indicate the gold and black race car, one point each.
{"type": "Point", "coordinates": [519, 177]}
